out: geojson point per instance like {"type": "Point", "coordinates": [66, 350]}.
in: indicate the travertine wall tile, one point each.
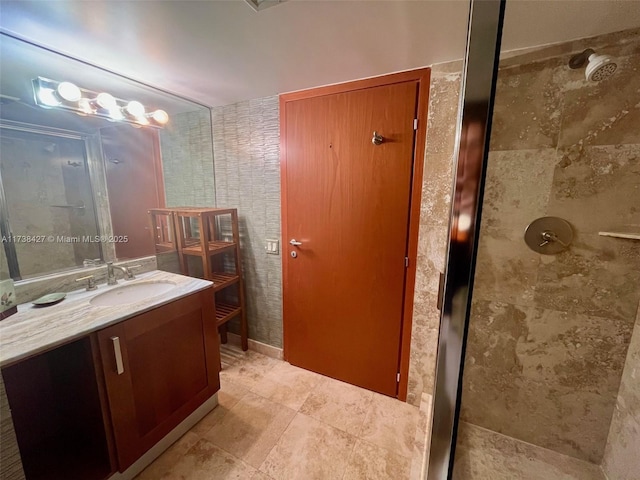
{"type": "Point", "coordinates": [518, 187]}
{"type": "Point", "coordinates": [528, 106]}
{"type": "Point", "coordinates": [597, 276]}
{"type": "Point", "coordinates": [598, 187]}
{"type": "Point", "coordinates": [437, 185]}
{"type": "Point", "coordinates": [434, 226]}
{"type": "Point", "coordinates": [506, 270]}
{"type": "Point", "coordinates": [549, 333]}
{"type": "Point", "coordinates": [444, 97]}
{"type": "Point", "coordinates": [606, 112]}
{"type": "Point", "coordinates": [621, 460]}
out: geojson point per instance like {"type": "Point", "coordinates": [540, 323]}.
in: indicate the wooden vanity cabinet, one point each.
{"type": "Point", "coordinates": [158, 368]}
{"type": "Point", "coordinates": [59, 414]}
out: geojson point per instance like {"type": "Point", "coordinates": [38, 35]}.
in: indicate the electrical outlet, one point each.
{"type": "Point", "coordinates": [273, 247]}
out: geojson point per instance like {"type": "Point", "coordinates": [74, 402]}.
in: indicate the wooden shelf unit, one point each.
{"type": "Point", "coordinates": [162, 227]}
{"type": "Point", "coordinates": [212, 235]}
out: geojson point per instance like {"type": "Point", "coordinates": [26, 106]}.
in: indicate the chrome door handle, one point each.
{"type": "Point", "coordinates": [118, 354]}
{"type": "Point", "coordinates": [294, 243]}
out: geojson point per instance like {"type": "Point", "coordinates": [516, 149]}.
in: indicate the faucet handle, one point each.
{"type": "Point", "coordinates": [91, 282]}
{"type": "Point", "coordinates": [130, 275]}
{"type": "Point", "coordinates": [111, 276]}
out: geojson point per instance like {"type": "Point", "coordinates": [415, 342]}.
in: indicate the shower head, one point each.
{"type": "Point", "coordinates": [600, 67]}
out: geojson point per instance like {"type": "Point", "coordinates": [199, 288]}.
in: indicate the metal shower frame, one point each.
{"type": "Point", "coordinates": [480, 70]}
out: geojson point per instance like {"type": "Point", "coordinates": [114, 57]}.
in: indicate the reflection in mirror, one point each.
{"type": "Point", "coordinates": [47, 195]}
{"type": "Point", "coordinates": [75, 186]}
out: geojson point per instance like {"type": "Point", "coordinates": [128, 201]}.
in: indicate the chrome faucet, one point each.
{"type": "Point", "coordinates": [126, 271]}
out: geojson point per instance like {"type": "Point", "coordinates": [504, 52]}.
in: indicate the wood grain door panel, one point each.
{"type": "Point", "coordinates": [348, 203]}
{"type": "Point", "coordinates": [135, 184]}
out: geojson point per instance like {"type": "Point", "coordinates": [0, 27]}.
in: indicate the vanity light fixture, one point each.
{"type": "Point", "coordinates": [68, 96]}
{"type": "Point", "coordinates": [106, 101]}
{"type": "Point", "coordinates": [47, 97]}
{"type": "Point", "coordinates": [135, 109]}
{"type": "Point", "coordinates": [160, 117]}
{"type": "Point", "coordinates": [69, 91]}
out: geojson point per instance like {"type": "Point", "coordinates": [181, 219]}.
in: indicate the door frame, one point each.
{"type": "Point", "coordinates": [422, 77]}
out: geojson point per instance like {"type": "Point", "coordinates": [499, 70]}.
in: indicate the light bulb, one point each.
{"type": "Point", "coordinates": [47, 97]}
{"type": "Point", "coordinates": [84, 105]}
{"type": "Point", "coordinates": [135, 108]}
{"type": "Point", "coordinates": [69, 92]}
{"type": "Point", "coordinates": [115, 114]}
{"type": "Point", "coordinates": [160, 116]}
{"type": "Point", "coordinates": [106, 101]}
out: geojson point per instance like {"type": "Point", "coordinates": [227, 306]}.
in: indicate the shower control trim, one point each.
{"type": "Point", "coordinates": [548, 235]}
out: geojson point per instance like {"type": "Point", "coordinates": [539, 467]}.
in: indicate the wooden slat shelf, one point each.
{"type": "Point", "coordinates": [165, 247]}
{"type": "Point", "coordinates": [223, 280]}
{"type": "Point", "coordinates": [225, 312]}
{"type": "Point", "coordinates": [215, 248]}
{"type": "Point", "coordinates": [196, 211]}
{"type": "Point", "coordinates": [205, 233]}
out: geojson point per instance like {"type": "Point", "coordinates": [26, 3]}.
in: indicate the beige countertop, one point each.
{"type": "Point", "coordinates": [35, 330]}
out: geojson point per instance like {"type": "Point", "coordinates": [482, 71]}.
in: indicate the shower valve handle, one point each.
{"type": "Point", "coordinates": [548, 237]}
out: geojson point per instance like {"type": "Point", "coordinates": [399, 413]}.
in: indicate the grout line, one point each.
{"type": "Point", "coordinates": [532, 445]}
{"type": "Point", "coordinates": [353, 449]}
{"type": "Point", "coordinates": [277, 441]}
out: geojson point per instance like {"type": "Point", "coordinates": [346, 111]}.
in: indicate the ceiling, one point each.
{"type": "Point", "coordinates": [220, 52]}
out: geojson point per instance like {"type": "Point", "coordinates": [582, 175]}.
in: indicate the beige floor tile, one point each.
{"type": "Point", "coordinates": [287, 385]}
{"type": "Point", "coordinates": [309, 450]}
{"type": "Point", "coordinates": [251, 428]}
{"type": "Point", "coordinates": [205, 461]}
{"type": "Point", "coordinates": [228, 396]}
{"type": "Point", "coordinates": [248, 370]}
{"type": "Point", "coordinates": [165, 462]}
{"type": "Point", "coordinates": [261, 476]}
{"type": "Point", "coordinates": [371, 462]}
{"type": "Point", "coordinates": [391, 424]}
{"type": "Point", "coordinates": [339, 404]}
{"type": "Point", "coordinates": [230, 393]}
{"type": "Point", "coordinates": [420, 444]}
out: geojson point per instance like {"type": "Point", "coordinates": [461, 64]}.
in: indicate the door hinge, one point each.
{"type": "Point", "coordinates": [398, 377]}
{"type": "Point", "coordinates": [415, 123]}
{"type": "Point", "coordinates": [406, 261]}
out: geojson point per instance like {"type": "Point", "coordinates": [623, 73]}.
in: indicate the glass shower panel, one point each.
{"type": "Point", "coordinates": [48, 200]}
{"type": "Point", "coordinates": [548, 391]}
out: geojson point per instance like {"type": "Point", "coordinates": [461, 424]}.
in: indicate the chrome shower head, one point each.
{"type": "Point", "coordinates": [600, 67]}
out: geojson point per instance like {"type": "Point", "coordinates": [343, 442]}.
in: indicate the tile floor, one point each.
{"type": "Point", "coordinates": [279, 422]}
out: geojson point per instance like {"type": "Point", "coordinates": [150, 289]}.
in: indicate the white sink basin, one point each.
{"type": "Point", "coordinates": [132, 293]}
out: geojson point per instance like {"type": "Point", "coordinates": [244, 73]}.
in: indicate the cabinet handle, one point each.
{"type": "Point", "coordinates": [118, 353]}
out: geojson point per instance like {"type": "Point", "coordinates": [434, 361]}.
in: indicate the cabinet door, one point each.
{"type": "Point", "coordinates": [159, 367]}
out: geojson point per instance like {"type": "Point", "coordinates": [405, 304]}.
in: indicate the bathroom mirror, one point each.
{"type": "Point", "coordinates": [75, 187]}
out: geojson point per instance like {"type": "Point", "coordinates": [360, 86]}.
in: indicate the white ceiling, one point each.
{"type": "Point", "coordinates": [220, 52]}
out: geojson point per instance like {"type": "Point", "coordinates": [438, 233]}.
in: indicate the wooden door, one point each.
{"type": "Point", "coordinates": [170, 365]}
{"type": "Point", "coordinates": [348, 202]}
{"type": "Point", "coordinates": [135, 184]}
